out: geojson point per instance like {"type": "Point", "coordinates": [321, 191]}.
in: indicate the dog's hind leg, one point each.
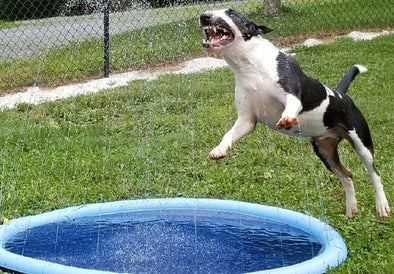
{"type": "Point", "coordinates": [327, 150]}
{"type": "Point", "coordinates": [366, 155]}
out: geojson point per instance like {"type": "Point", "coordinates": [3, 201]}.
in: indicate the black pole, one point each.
{"type": "Point", "coordinates": [106, 37]}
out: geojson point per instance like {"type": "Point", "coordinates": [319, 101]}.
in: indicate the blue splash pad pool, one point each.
{"type": "Point", "coordinates": [170, 236]}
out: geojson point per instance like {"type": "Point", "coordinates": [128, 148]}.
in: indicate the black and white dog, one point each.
{"type": "Point", "coordinates": [272, 89]}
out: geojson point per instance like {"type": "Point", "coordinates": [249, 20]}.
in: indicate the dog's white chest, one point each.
{"type": "Point", "coordinates": [259, 97]}
{"type": "Point", "coordinates": [257, 91]}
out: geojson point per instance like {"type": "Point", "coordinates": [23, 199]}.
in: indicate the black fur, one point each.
{"type": "Point", "coordinates": [246, 27]}
{"type": "Point", "coordinates": [347, 79]}
{"type": "Point", "coordinates": [293, 80]}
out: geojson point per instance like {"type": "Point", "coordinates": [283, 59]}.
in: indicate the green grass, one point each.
{"type": "Point", "coordinates": [182, 40]}
{"type": "Point", "coordinates": [8, 24]}
{"type": "Point", "coordinates": [151, 139]}
{"type": "Point", "coordinates": [322, 16]}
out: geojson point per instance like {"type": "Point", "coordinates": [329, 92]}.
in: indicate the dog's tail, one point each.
{"type": "Point", "coordinates": [349, 77]}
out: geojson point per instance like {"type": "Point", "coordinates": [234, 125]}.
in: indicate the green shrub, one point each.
{"type": "Point", "coordinates": [29, 9]}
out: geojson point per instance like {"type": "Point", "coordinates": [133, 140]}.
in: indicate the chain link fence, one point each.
{"type": "Point", "coordinates": [49, 42]}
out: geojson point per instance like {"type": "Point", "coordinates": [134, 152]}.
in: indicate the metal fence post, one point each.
{"type": "Point", "coordinates": [106, 37]}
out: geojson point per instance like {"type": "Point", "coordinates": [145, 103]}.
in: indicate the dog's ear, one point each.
{"type": "Point", "coordinates": [253, 29]}
{"type": "Point", "coordinates": [263, 29]}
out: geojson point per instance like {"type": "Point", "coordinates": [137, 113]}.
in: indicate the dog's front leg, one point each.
{"type": "Point", "coordinates": [289, 118]}
{"type": "Point", "coordinates": [242, 127]}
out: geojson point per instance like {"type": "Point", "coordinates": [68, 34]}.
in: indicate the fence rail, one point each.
{"type": "Point", "coordinates": [45, 42]}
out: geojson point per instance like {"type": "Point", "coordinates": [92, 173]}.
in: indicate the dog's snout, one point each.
{"type": "Point", "coordinates": [204, 18]}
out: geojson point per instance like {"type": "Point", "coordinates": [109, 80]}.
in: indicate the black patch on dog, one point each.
{"type": "Point", "coordinates": [207, 20]}
{"type": "Point", "coordinates": [338, 112]}
{"type": "Point", "coordinates": [294, 81]}
{"type": "Point", "coordinates": [344, 113]}
{"type": "Point", "coordinates": [246, 27]}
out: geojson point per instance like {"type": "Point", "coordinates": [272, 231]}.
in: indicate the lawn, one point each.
{"type": "Point", "coordinates": [151, 139]}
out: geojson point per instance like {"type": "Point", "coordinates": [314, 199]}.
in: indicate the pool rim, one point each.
{"type": "Point", "coordinates": [333, 252]}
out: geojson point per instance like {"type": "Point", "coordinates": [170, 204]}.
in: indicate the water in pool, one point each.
{"type": "Point", "coordinates": [168, 241]}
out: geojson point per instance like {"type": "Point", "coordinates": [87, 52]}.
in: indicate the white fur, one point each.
{"type": "Point", "coordinates": [361, 68]}
{"type": "Point", "coordinates": [330, 92]}
{"type": "Point", "coordinates": [311, 122]}
{"type": "Point", "coordinates": [382, 206]}
{"type": "Point", "coordinates": [293, 106]}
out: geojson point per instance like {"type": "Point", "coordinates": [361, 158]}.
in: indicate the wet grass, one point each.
{"type": "Point", "coordinates": [151, 139]}
{"type": "Point", "coordinates": [182, 40]}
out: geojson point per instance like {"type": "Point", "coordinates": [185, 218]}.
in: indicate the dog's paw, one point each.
{"type": "Point", "coordinates": [383, 209]}
{"type": "Point", "coordinates": [218, 153]}
{"type": "Point", "coordinates": [351, 207]}
{"type": "Point", "coordinates": [351, 212]}
{"type": "Point", "coordinates": [287, 122]}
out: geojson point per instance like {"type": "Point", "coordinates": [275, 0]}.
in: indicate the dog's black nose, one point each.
{"type": "Point", "coordinates": [204, 19]}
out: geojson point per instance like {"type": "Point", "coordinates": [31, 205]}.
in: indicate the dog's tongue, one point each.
{"type": "Point", "coordinates": [216, 40]}
{"type": "Point", "coordinates": [211, 43]}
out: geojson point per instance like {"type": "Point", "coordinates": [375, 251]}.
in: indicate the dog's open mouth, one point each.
{"type": "Point", "coordinates": [216, 36]}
